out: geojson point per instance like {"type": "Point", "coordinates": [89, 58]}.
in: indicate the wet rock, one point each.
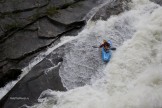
{"type": "Point", "coordinates": [33, 27]}
{"type": "Point", "coordinates": [20, 44]}
{"type": "Point", "coordinates": [8, 23]}
{"type": "Point", "coordinates": [49, 29]}
{"type": "Point", "coordinates": [20, 5]}
{"type": "Point", "coordinates": [61, 3]}
{"type": "Point", "coordinates": [74, 13]}
{"type": "Point", "coordinates": [1, 32]}
{"type": "Point", "coordinates": [22, 37]}
{"type": "Point", "coordinates": [112, 8]}
{"type": "Point", "coordinates": [18, 20]}
{"type": "Point", "coordinates": [44, 75]}
{"type": "Point", "coordinates": [157, 1]}
{"type": "Point", "coordinates": [12, 74]}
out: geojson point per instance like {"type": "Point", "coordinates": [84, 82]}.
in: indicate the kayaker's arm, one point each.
{"type": "Point", "coordinates": [101, 45]}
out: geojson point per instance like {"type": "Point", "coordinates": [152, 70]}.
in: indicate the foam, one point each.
{"type": "Point", "coordinates": [133, 78]}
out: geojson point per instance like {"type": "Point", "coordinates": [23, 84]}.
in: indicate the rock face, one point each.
{"type": "Point", "coordinates": [43, 76]}
{"type": "Point", "coordinates": [11, 74]}
{"type": "Point", "coordinates": [28, 29]}
{"type": "Point", "coordinates": [112, 8]}
{"type": "Point", "coordinates": [157, 1]}
{"type": "Point", "coordinates": [20, 5]}
{"type": "Point", "coordinates": [70, 15]}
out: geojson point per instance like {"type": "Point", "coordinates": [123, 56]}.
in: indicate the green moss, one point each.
{"type": "Point", "coordinates": [4, 15]}
{"type": "Point", "coordinates": [76, 5]}
{"type": "Point", "coordinates": [34, 16]}
{"type": "Point", "coordinates": [1, 1]}
{"type": "Point", "coordinates": [17, 14]}
{"type": "Point", "coordinates": [66, 5]}
{"type": "Point", "coordinates": [13, 26]}
{"type": "Point", "coordinates": [51, 11]}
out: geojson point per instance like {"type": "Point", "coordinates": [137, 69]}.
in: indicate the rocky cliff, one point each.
{"type": "Point", "coordinates": [28, 27]}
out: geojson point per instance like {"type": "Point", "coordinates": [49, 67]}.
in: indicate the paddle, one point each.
{"type": "Point", "coordinates": [113, 49]}
{"type": "Point", "coordinates": [110, 48]}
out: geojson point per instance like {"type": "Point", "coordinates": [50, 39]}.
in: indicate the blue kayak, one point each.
{"type": "Point", "coordinates": [106, 55]}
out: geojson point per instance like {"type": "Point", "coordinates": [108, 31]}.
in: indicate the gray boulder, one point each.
{"type": "Point", "coordinates": [111, 8]}
{"type": "Point", "coordinates": [9, 6]}
{"type": "Point", "coordinates": [157, 1]}
{"type": "Point", "coordinates": [74, 13]}
{"type": "Point", "coordinates": [21, 43]}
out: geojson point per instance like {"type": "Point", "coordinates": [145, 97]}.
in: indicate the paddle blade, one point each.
{"type": "Point", "coordinates": [113, 48]}
{"type": "Point", "coordinates": [95, 46]}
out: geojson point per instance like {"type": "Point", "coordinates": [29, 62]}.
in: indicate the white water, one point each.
{"type": "Point", "coordinates": [82, 63]}
{"type": "Point", "coordinates": [133, 78]}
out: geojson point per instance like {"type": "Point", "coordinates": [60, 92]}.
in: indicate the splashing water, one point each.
{"type": "Point", "coordinates": [82, 63]}
{"type": "Point", "coordinates": [133, 78]}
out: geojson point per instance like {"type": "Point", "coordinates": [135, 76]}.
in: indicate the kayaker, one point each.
{"type": "Point", "coordinates": [106, 45]}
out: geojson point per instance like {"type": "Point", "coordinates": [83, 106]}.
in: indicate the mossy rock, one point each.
{"type": "Point", "coordinates": [51, 11]}
{"type": "Point", "coordinates": [13, 25]}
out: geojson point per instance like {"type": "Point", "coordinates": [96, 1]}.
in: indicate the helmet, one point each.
{"type": "Point", "coordinates": [104, 40]}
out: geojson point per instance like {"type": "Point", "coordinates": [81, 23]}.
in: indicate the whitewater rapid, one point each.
{"type": "Point", "coordinates": [133, 78]}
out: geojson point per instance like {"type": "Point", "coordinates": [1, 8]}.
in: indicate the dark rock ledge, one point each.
{"type": "Point", "coordinates": [31, 30]}
{"type": "Point", "coordinates": [111, 9]}
{"type": "Point", "coordinates": [157, 1]}
{"type": "Point", "coordinates": [43, 76]}
{"type": "Point", "coordinates": [16, 6]}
